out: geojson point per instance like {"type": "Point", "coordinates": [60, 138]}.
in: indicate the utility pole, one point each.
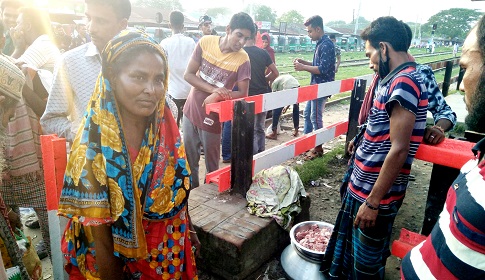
{"type": "Point", "coordinates": [415, 28]}
{"type": "Point", "coordinates": [419, 37]}
{"type": "Point", "coordinates": [357, 19]}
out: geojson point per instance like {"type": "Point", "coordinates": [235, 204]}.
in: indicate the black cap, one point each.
{"type": "Point", "coordinates": [203, 19]}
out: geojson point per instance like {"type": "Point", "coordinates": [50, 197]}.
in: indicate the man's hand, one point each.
{"type": "Point", "coordinates": [218, 94]}
{"type": "Point", "coordinates": [350, 147]}
{"type": "Point", "coordinates": [298, 65]}
{"type": "Point", "coordinates": [213, 98]}
{"type": "Point", "coordinates": [366, 217]}
{"type": "Point", "coordinates": [223, 92]}
{"type": "Point", "coordinates": [18, 39]}
{"type": "Point", "coordinates": [433, 135]}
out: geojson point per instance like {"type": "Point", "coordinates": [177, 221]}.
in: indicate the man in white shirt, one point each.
{"type": "Point", "coordinates": [32, 40]}
{"type": "Point", "coordinates": [76, 73]}
{"type": "Point", "coordinates": [179, 50]}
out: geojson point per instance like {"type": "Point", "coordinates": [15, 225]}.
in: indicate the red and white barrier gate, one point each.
{"type": "Point", "coordinates": [54, 159]}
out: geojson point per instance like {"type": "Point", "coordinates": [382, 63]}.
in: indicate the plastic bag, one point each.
{"type": "Point", "coordinates": [13, 273]}
{"type": "Point", "coordinates": [29, 256]}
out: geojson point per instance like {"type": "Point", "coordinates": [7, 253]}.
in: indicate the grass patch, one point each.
{"type": "Point", "coordinates": [458, 129]}
{"type": "Point", "coordinates": [340, 95]}
{"type": "Point", "coordinates": [319, 167]}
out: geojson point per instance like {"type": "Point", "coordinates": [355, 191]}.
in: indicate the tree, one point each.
{"type": "Point", "coordinates": [362, 20]}
{"type": "Point", "coordinates": [292, 16]}
{"type": "Point", "coordinates": [159, 4]}
{"type": "Point", "coordinates": [264, 13]}
{"type": "Point", "coordinates": [215, 12]}
{"type": "Point", "coordinates": [363, 23]}
{"type": "Point", "coordinates": [336, 23]}
{"type": "Point", "coordinates": [452, 23]}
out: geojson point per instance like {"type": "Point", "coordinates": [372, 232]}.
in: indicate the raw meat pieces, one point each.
{"type": "Point", "coordinates": [315, 238]}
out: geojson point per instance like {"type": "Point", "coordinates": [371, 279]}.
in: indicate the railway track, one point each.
{"type": "Point", "coordinates": [365, 61]}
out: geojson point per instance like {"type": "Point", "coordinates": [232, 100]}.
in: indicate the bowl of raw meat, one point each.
{"type": "Point", "coordinates": [311, 238]}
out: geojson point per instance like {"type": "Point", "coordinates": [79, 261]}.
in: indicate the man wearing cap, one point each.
{"type": "Point", "coordinates": [205, 25]}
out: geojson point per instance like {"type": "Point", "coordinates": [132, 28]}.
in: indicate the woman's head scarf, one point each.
{"type": "Point", "coordinates": [102, 185]}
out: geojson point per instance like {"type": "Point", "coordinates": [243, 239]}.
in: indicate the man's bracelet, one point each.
{"type": "Point", "coordinates": [439, 128]}
{"type": "Point", "coordinates": [370, 205]}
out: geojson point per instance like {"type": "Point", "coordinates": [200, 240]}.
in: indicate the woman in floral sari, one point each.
{"type": "Point", "coordinates": [127, 182]}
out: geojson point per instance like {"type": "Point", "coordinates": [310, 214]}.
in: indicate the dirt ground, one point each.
{"type": "Point", "coordinates": [325, 198]}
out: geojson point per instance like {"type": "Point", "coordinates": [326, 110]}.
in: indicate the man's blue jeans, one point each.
{"type": "Point", "coordinates": [259, 136]}
{"type": "Point", "coordinates": [313, 114]}
{"type": "Point", "coordinates": [226, 140]}
{"type": "Point", "coordinates": [277, 114]}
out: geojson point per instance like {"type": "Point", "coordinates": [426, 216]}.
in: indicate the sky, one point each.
{"type": "Point", "coordinates": [406, 10]}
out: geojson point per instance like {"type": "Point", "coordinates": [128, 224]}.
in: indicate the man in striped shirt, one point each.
{"type": "Point", "coordinates": [455, 249]}
{"type": "Point", "coordinates": [359, 246]}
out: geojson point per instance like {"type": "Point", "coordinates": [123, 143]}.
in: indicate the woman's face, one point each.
{"type": "Point", "coordinates": [139, 86]}
{"type": "Point", "coordinates": [265, 43]}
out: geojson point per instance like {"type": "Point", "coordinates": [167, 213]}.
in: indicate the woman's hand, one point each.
{"type": "Point", "coordinates": [14, 220]}
{"type": "Point", "coordinates": [110, 267]}
{"type": "Point", "coordinates": [194, 239]}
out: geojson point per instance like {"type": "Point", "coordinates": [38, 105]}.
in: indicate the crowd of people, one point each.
{"type": "Point", "coordinates": [133, 113]}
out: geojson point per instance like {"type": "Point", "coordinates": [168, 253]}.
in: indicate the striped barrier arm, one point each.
{"type": "Point", "coordinates": [281, 153]}
{"type": "Point", "coordinates": [273, 100]}
{"type": "Point", "coordinates": [451, 152]}
{"type": "Point", "coordinates": [407, 240]}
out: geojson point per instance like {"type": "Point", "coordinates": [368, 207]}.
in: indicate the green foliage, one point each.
{"type": "Point", "coordinates": [362, 21]}
{"type": "Point", "coordinates": [452, 23]}
{"type": "Point", "coordinates": [458, 129]}
{"type": "Point", "coordinates": [264, 13]}
{"type": "Point", "coordinates": [158, 4]}
{"type": "Point", "coordinates": [336, 23]}
{"type": "Point", "coordinates": [350, 25]}
{"type": "Point", "coordinates": [317, 168]}
{"type": "Point", "coordinates": [214, 12]}
{"type": "Point", "coordinates": [292, 16]}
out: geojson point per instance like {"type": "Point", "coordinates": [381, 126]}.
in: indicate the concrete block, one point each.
{"type": "Point", "coordinates": [234, 243]}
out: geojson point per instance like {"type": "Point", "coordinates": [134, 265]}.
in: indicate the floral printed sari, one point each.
{"type": "Point", "coordinates": [144, 200]}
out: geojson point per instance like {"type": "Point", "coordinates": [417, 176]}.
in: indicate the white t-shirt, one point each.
{"type": "Point", "coordinates": [41, 54]}
{"type": "Point", "coordinates": [179, 50]}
